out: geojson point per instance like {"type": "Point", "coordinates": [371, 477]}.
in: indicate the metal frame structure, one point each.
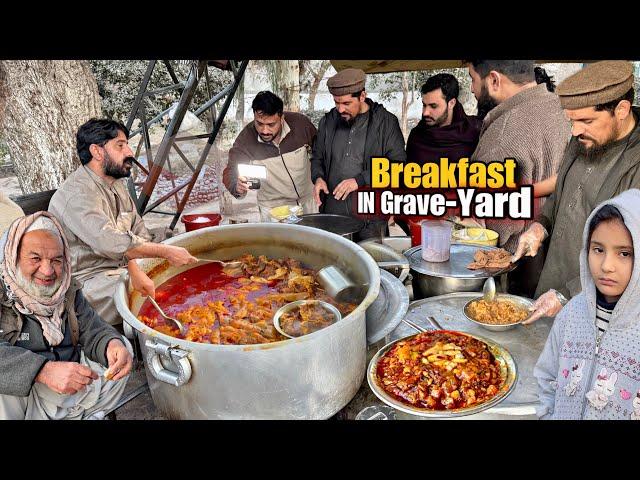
{"type": "Point", "coordinates": [199, 70]}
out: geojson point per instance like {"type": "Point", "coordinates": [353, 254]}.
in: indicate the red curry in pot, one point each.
{"type": "Point", "coordinates": [236, 307]}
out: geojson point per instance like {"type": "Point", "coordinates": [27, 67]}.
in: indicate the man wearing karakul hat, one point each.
{"type": "Point", "coordinates": [348, 136]}
{"type": "Point", "coordinates": [601, 161]}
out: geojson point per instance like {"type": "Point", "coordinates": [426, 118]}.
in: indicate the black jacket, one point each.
{"type": "Point", "coordinates": [384, 139]}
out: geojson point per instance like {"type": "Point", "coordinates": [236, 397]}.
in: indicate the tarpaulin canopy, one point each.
{"type": "Point", "coordinates": [387, 66]}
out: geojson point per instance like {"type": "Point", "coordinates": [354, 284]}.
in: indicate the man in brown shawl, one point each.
{"type": "Point", "coordinates": [525, 122]}
{"type": "Point", "coordinates": [445, 131]}
{"type": "Point", "coordinates": [58, 358]}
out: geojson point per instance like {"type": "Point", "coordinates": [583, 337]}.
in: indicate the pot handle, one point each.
{"type": "Point", "coordinates": [402, 267]}
{"type": "Point", "coordinates": [394, 264]}
{"type": "Point", "coordinates": [175, 355]}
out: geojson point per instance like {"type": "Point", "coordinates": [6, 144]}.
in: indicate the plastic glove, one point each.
{"type": "Point", "coordinates": [467, 222]}
{"type": "Point", "coordinates": [530, 241]}
{"type": "Point", "coordinates": [547, 305]}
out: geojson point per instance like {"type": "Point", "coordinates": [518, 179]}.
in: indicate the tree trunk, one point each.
{"type": "Point", "coordinates": [286, 83]}
{"type": "Point", "coordinates": [405, 104]}
{"type": "Point", "coordinates": [46, 102]}
{"type": "Point", "coordinates": [240, 97]}
{"type": "Point", "coordinates": [317, 78]}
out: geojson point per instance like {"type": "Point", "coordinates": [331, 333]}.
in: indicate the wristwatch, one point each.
{"type": "Point", "coordinates": [561, 298]}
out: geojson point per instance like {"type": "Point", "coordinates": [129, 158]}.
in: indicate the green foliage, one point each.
{"type": "Point", "coordinates": [4, 150]}
{"type": "Point", "coordinates": [386, 84]}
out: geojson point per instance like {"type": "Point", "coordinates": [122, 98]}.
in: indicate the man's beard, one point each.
{"type": "Point", "coordinates": [347, 121]}
{"type": "Point", "coordinates": [437, 122]}
{"type": "Point", "coordinates": [597, 150]}
{"type": "Point", "coordinates": [35, 290]}
{"type": "Point", "coordinates": [112, 169]}
{"type": "Point", "coordinates": [485, 102]}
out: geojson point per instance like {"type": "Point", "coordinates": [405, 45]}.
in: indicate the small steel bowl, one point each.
{"type": "Point", "coordinates": [290, 306]}
{"type": "Point", "coordinates": [519, 301]}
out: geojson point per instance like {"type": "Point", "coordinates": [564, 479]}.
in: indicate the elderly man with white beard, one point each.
{"type": "Point", "coordinates": [58, 358]}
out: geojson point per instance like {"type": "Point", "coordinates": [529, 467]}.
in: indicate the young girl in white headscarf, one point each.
{"type": "Point", "coordinates": [590, 365]}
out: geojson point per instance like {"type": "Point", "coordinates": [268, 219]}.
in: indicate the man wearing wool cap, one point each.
{"type": "Point", "coordinates": [58, 358]}
{"type": "Point", "coordinates": [601, 161]}
{"type": "Point", "coordinates": [348, 136]}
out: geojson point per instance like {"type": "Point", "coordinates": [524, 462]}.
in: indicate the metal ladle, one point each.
{"type": "Point", "coordinates": [177, 323]}
{"type": "Point", "coordinates": [421, 329]}
{"type": "Point", "coordinates": [489, 289]}
{"type": "Point", "coordinates": [224, 264]}
{"type": "Point", "coordinates": [337, 285]}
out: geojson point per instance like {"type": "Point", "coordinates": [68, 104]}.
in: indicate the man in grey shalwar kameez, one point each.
{"type": "Point", "coordinates": [100, 219]}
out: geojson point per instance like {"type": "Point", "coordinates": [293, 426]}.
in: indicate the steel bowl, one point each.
{"type": "Point", "coordinates": [298, 303]}
{"type": "Point", "coordinates": [519, 301]}
{"type": "Point", "coordinates": [508, 371]}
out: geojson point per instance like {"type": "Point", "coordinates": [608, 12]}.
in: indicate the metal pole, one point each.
{"type": "Point", "coordinates": [143, 88]}
{"type": "Point", "coordinates": [171, 132]}
{"type": "Point", "coordinates": [172, 74]}
{"type": "Point", "coordinates": [212, 137]}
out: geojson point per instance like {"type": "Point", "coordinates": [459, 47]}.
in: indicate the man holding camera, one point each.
{"type": "Point", "coordinates": [281, 142]}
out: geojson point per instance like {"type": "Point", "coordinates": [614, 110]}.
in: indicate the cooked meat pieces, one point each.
{"type": "Point", "coordinates": [440, 371]}
{"type": "Point", "coordinates": [245, 313]}
{"type": "Point", "coordinates": [306, 319]}
{"type": "Point", "coordinates": [498, 258]}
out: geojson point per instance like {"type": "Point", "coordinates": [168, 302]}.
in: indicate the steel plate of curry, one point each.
{"type": "Point", "coordinates": [442, 373]}
{"type": "Point", "coordinates": [236, 307]}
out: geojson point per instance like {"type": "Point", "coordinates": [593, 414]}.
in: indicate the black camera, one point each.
{"type": "Point", "coordinates": [254, 183]}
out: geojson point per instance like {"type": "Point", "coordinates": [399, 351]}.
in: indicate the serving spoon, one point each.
{"type": "Point", "coordinates": [234, 264]}
{"type": "Point", "coordinates": [177, 323]}
{"type": "Point", "coordinates": [489, 289]}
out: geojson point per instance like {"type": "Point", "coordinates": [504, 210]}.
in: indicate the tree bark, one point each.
{"type": "Point", "coordinates": [287, 83]}
{"type": "Point", "coordinates": [46, 102]}
{"type": "Point", "coordinates": [405, 104]}
{"type": "Point", "coordinates": [240, 97]}
{"type": "Point", "coordinates": [317, 78]}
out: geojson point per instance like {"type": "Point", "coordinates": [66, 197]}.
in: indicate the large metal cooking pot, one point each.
{"type": "Point", "coordinates": [439, 278]}
{"type": "Point", "coordinates": [310, 377]}
{"type": "Point", "coordinates": [339, 224]}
